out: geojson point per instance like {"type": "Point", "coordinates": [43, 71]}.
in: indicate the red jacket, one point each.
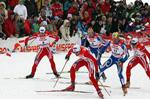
{"type": "Point", "coordinates": [85, 53]}
{"type": "Point", "coordinates": [27, 27]}
{"type": "Point", "coordinates": [105, 7]}
{"type": "Point", "coordinates": [13, 3]}
{"type": "Point", "coordinates": [141, 48]}
{"type": "Point", "coordinates": [73, 10]}
{"type": "Point", "coordinates": [9, 26]}
{"type": "Point", "coordinates": [57, 9]}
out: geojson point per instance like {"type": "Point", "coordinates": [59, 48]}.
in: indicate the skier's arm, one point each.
{"type": "Point", "coordinates": [29, 38]}
{"type": "Point", "coordinates": [146, 52]}
{"type": "Point", "coordinates": [101, 40]}
{"type": "Point", "coordinates": [126, 54]}
{"type": "Point", "coordinates": [104, 47]}
{"type": "Point", "coordinates": [56, 40]}
{"type": "Point", "coordinates": [68, 54]}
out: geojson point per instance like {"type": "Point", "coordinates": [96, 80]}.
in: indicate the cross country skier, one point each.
{"type": "Point", "coordinates": [43, 38]}
{"type": "Point", "coordinates": [85, 59]}
{"type": "Point", "coordinates": [140, 53]}
{"type": "Point", "coordinates": [119, 56]}
{"type": "Point", "coordinates": [96, 45]}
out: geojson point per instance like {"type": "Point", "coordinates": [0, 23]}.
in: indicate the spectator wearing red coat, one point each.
{"type": "Point", "coordinates": [57, 9]}
{"type": "Point", "coordinates": [27, 27]}
{"type": "Point", "coordinates": [105, 7]}
{"type": "Point", "coordinates": [73, 9]}
{"type": "Point", "coordinates": [9, 25]}
{"type": "Point", "coordinates": [87, 11]}
{"type": "Point", "coordinates": [12, 3]}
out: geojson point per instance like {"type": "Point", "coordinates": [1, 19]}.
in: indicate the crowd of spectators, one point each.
{"type": "Point", "coordinates": [65, 18]}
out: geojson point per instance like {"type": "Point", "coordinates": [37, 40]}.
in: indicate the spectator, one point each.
{"type": "Point", "coordinates": [35, 26]}
{"type": "Point", "coordinates": [74, 9]}
{"type": "Point", "coordinates": [31, 8]}
{"type": "Point", "coordinates": [105, 7]}
{"type": "Point", "coordinates": [81, 28]}
{"type": "Point", "coordinates": [65, 30]}
{"type": "Point", "coordinates": [138, 4]}
{"type": "Point", "coordinates": [66, 7]}
{"type": "Point", "coordinates": [3, 10]}
{"type": "Point", "coordinates": [21, 10]}
{"type": "Point", "coordinates": [20, 26]}
{"type": "Point", "coordinates": [98, 25]}
{"type": "Point", "coordinates": [130, 12]}
{"type": "Point", "coordinates": [108, 25]}
{"type": "Point", "coordinates": [73, 26]}
{"type": "Point", "coordinates": [1, 22]}
{"type": "Point", "coordinates": [113, 7]}
{"type": "Point", "coordinates": [47, 9]}
{"type": "Point", "coordinates": [57, 9]}
{"type": "Point", "coordinates": [12, 3]}
{"type": "Point", "coordinates": [43, 16]}
{"type": "Point", "coordinates": [9, 25]}
{"type": "Point", "coordinates": [121, 10]}
{"type": "Point", "coordinates": [40, 4]}
{"type": "Point", "coordinates": [27, 27]}
{"type": "Point", "coordinates": [102, 23]}
{"type": "Point", "coordinates": [122, 25]}
{"type": "Point", "coordinates": [98, 11]}
{"type": "Point", "coordinates": [86, 12]}
{"type": "Point", "coordinates": [44, 24]}
{"type": "Point", "coordinates": [114, 27]}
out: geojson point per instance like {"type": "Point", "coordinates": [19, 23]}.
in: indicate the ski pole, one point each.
{"type": "Point", "coordinates": [60, 73]}
{"type": "Point", "coordinates": [104, 88]}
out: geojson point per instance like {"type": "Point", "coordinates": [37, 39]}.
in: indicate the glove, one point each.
{"type": "Point", "coordinates": [67, 57]}
{"type": "Point", "coordinates": [97, 76]}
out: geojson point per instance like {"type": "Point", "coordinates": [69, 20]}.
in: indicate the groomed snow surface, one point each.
{"type": "Point", "coordinates": [16, 67]}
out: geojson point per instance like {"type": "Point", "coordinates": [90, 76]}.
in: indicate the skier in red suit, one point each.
{"type": "Point", "coordinates": [43, 38]}
{"type": "Point", "coordinates": [140, 53]}
{"type": "Point", "coordinates": [85, 59]}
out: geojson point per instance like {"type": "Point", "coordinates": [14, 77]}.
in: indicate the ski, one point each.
{"type": "Point", "coordinates": [128, 88]}
{"type": "Point", "coordinates": [18, 78]}
{"type": "Point", "coordinates": [69, 72]}
{"type": "Point", "coordinates": [82, 83]}
{"type": "Point", "coordinates": [65, 91]}
{"type": "Point", "coordinates": [134, 88]}
{"type": "Point", "coordinates": [60, 78]}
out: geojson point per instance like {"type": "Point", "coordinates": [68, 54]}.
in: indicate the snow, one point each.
{"type": "Point", "coordinates": [14, 68]}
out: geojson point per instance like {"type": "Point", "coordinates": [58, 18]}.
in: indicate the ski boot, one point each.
{"type": "Point", "coordinates": [128, 84]}
{"type": "Point", "coordinates": [124, 89]}
{"type": "Point", "coordinates": [70, 88]}
{"type": "Point", "coordinates": [29, 76]}
{"type": "Point", "coordinates": [103, 77]}
{"type": "Point", "coordinates": [89, 83]}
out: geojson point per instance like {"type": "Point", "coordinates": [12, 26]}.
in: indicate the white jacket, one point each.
{"type": "Point", "coordinates": [21, 10]}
